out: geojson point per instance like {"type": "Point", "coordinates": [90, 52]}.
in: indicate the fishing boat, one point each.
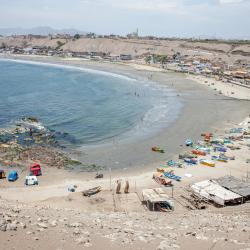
{"type": "Point", "coordinates": [172, 163]}
{"type": "Point", "coordinates": [187, 155]}
{"type": "Point", "coordinates": [158, 149]}
{"type": "Point", "coordinates": [207, 163]}
{"type": "Point", "coordinates": [172, 176]}
{"type": "Point", "coordinates": [190, 160]}
{"type": "Point", "coordinates": [198, 152]}
{"type": "Point", "coordinates": [189, 142]}
{"type": "Point", "coordinates": [161, 180]}
{"type": "Point", "coordinates": [92, 191]}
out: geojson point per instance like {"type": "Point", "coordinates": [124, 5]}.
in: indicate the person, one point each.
{"type": "Point", "coordinates": [31, 132]}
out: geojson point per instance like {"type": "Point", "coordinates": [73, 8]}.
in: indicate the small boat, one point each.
{"type": "Point", "coordinates": [170, 175]}
{"type": "Point", "coordinates": [158, 149]}
{"type": "Point", "coordinates": [220, 149]}
{"type": "Point", "coordinates": [161, 180]}
{"type": "Point", "coordinates": [92, 191]}
{"type": "Point", "coordinates": [187, 155]}
{"type": "Point", "coordinates": [219, 158]}
{"type": "Point", "coordinates": [198, 152]}
{"type": "Point", "coordinates": [172, 163]}
{"type": "Point", "coordinates": [190, 160]}
{"type": "Point", "coordinates": [207, 163]}
{"type": "Point", "coordinates": [189, 142]}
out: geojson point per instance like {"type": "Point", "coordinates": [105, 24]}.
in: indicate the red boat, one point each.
{"type": "Point", "coordinates": [35, 169]}
{"type": "Point", "coordinates": [198, 152]}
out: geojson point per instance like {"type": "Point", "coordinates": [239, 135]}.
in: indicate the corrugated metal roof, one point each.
{"type": "Point", "coordinates": [213, 191]}
{"type": "Point", "coordinates": [235, 185]}
{"type": "Point", "coordinates": [155, 195]}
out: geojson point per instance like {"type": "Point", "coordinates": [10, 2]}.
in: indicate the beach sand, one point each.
{"type": "Point", "coordinates": [203, 110]}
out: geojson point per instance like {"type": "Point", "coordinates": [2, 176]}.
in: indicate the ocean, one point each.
{"type": "Point", "coordinates": [91, 106]}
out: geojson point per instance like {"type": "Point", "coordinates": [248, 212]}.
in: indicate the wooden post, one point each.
{"type": "Point", "coordinates": [110, 179]}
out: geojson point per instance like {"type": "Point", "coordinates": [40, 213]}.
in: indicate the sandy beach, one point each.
{"type": "Point", "coordinates": [204, 109]}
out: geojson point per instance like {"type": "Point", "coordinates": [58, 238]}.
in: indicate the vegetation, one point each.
{"type": "Point", "coordinates": [148, 59]}
{"type": "Point", "coordinates": [3, 45]}
{"type": "Point", "coordinates": [76, 36]}
{"type": "Point", "coordinates": [59, 45]}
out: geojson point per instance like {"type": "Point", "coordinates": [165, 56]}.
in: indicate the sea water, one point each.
{"type": "Point", "coordinates": [91, 106]}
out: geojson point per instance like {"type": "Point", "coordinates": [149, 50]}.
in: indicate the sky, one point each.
{"type": "Point", "coordinates": [168, 18]}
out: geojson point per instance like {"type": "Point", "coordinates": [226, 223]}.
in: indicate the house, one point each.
{"type": "Point", "coordinates": [154, 198]}
{"type": "Point", "coordinates": [125, 57]}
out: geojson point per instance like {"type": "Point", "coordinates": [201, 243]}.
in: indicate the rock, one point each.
{"type": "Point", "coordinates": [11, 227]}
{"type": "Point", "coordinates": [28, 233]}
{"type": "Point", "coordinates": [42, 225]}
{"type": "Point", "coordinates": [75, 224]}
{"type": "Point", "coordinates": [3, 225]}
{"type": "Point", "coordinates": [82, 240]}
{"type": "Point", "coordinates": [164, 245]}
{"type": "Point", "coordinates": [53, 223]}
{"type": "Point", "coordinates": [76, 231]}
{"type": "Point", "coordinates": [23, 225]}
{"type": "Point", "coordinates": [15, 210]}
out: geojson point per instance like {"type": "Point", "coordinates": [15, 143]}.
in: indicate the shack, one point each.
{"type": "Point", "coordinates": [157, 200]}
{"type": "Point", "coordinates": [215, 193]}
{"type": "Point", "coordinates": [235, 185]}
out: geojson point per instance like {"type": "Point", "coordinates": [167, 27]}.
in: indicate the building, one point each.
{"type": "Point", "coordinates": [235, 185]}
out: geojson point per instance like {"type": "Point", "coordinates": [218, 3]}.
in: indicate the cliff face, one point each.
{"type": "Point", "coordinates": [137, 47]}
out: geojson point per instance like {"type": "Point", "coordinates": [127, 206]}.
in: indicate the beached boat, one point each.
{"type": "Point", "coordinates": [172, 163]}
{"type": "Point", "coordinates": [198, 152]}
{"type": "Point", "coordinates": [187, 155]}
{"type": "Point", "coordinates": [161, 180]}
{"type": "Point", "coordinates": [219, 158]}
{"type": "Point", "coordinates": [158, 149]}
{"type": "Point", "coordinates": [172, 176]}
{"type": "Point", "coordinates": [207, 163]}
{"type": "Point", "coordinates": [190, 160]}
{"type": "Point", "coordinates": [189, 142]}
{"type": "Point", "coordinates": [92, 191]}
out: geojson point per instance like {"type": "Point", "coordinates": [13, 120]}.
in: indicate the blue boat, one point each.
{"type": "Point", "coordinates": [13, 176]}
{"type": "Point", "coordinates": [190, 160]}
{"type": "Point", "coordinates": [172, 176]}
{"type": "Point", "coordinates": [189, 142]}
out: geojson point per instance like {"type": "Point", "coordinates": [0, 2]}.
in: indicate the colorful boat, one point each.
{"type": "Point", "coordinates": [172, 163]}
{"type": "Point", "coordinates": [161, 180]}
{"type": "Point", "coordinates": [189, 142]}
{"type": "Point", "coordinates": [198, 152]}
{"type": "Point", "coordinates": [207, 163]}
{"type": "Point", "coordinates": [158, 149]}
{"type": "Point", "coordinates": [191, 160]}
{"type": "Point", "coordinates": [187, 155]}
{"type": "Point", "coordinates": [172, 176]}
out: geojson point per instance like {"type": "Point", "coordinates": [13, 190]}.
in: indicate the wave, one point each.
{"type": "Point", "coordinates": [56, 65]}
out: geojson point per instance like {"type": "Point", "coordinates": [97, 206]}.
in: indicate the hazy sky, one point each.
{"type": "Point", "coordinates": [217, 18]}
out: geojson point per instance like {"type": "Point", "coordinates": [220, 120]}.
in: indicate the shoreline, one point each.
{"type": "Point", "coordinates": [199, 100]}
{"type": "Point", "coordinates": [194, 96]}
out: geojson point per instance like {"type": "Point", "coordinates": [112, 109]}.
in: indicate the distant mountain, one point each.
{"type": "Point", "coordinates": [43, 30]}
